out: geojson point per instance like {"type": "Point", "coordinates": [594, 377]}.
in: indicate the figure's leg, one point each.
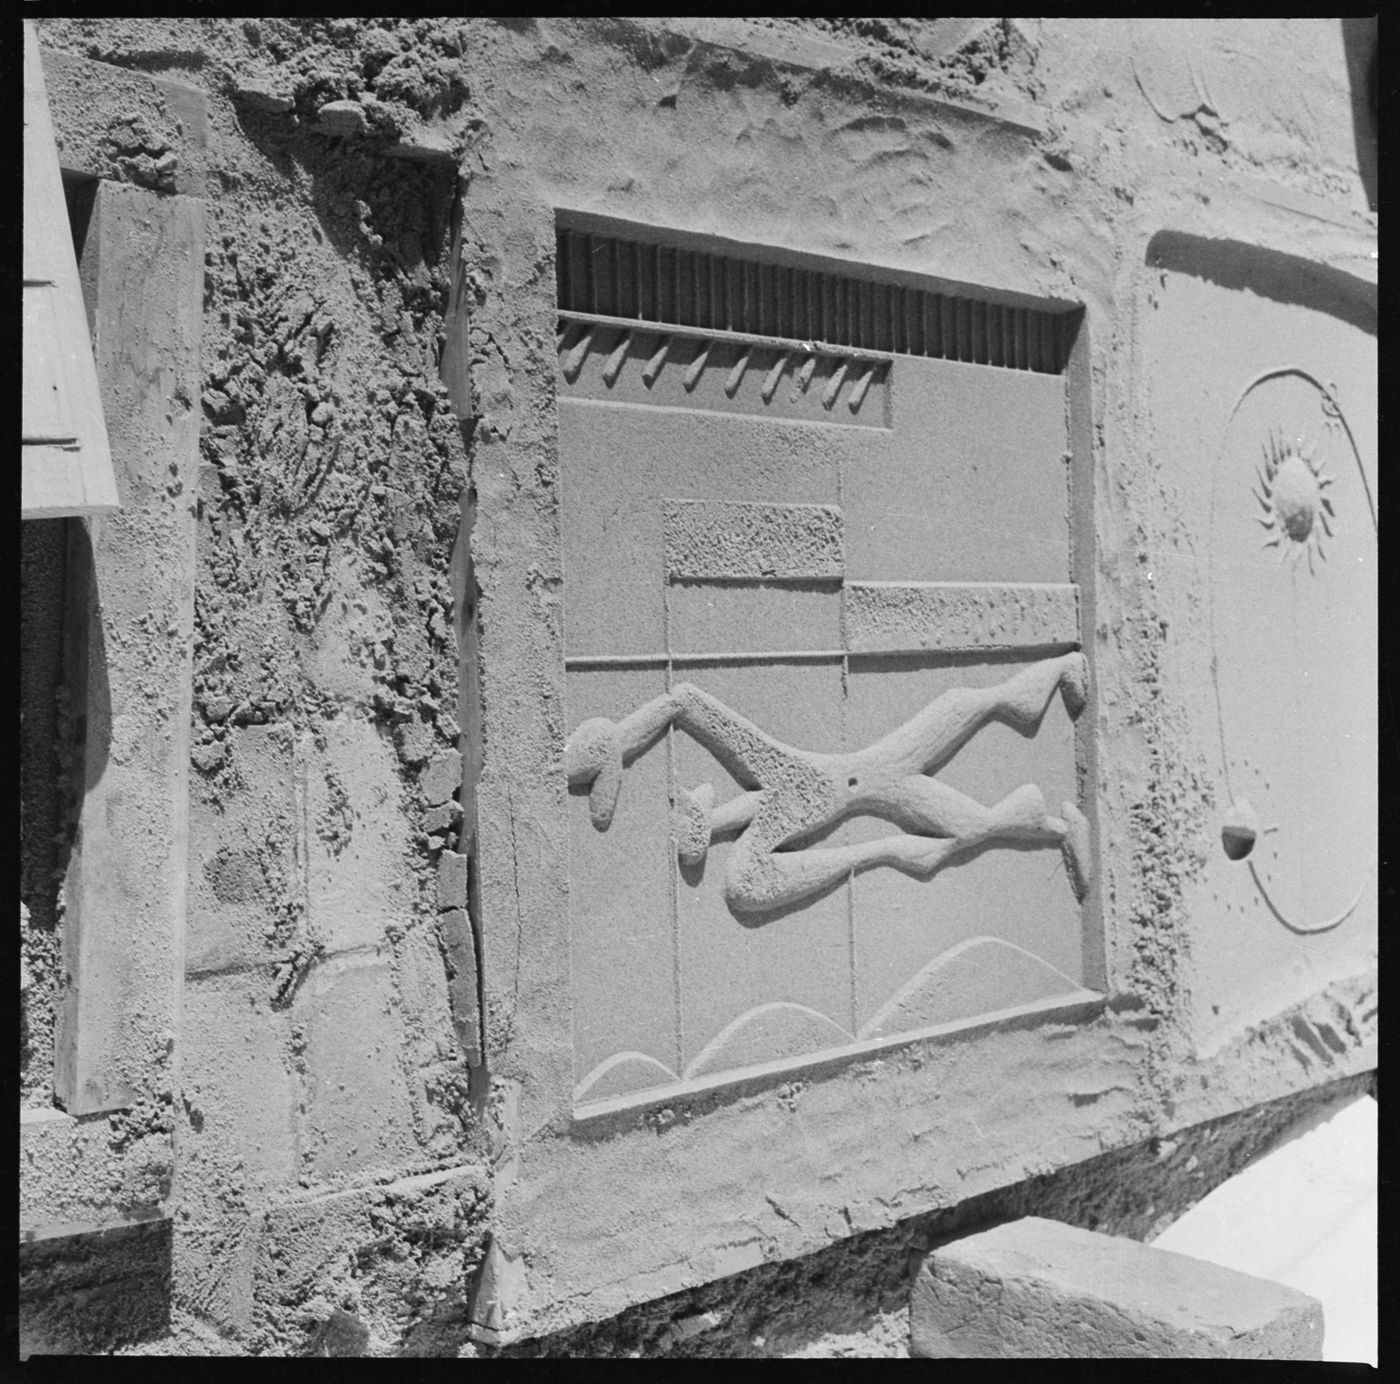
{"type": "Point", "coordinates": [932, 808]}
{"type": "Point", "coordinates": [929, 739]}
{"type": "Point", "coordinates": [1075, 848]}
{"type": "Point", "coordinates": [757, 883]}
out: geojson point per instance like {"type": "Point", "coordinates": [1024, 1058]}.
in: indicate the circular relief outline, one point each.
{"type": "Point", "coordinates": [1332, 409]}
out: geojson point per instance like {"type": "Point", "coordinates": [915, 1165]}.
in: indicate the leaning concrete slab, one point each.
{"type": "Point", "coordinates": [1038, 1289]}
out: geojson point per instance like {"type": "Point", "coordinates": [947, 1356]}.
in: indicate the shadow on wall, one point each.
{"type": "Point", "coordinates": [90, 1294]}
{"type": "Point", "coordinates": [1359, 43]}
{"type": "Point", "coordinates": [1271, 274]}
{"type": "Point", "coordinates": [66, 717]}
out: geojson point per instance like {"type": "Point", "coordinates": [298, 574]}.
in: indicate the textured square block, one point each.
{"type": "Point", "coordinates": [1039, 1289]}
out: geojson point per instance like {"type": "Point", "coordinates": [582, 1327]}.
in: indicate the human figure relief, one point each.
{"type": "Point", "coordinates": [793, 793]}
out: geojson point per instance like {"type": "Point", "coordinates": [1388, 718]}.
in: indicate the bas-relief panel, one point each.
{"type": "Point", "coordinates": [822, 679]}
{"type": "Point", "coordinates": [1277, 474]}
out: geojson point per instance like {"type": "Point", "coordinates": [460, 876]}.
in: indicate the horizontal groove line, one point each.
{"type": "Point", "coordinates": [583, 661]}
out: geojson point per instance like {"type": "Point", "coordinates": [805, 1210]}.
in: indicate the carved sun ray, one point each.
{"type": "Point", "coordinates": [1289, 489]}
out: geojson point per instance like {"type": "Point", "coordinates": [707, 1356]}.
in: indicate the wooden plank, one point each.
{"type": "Point", "coordinates": [67, 466]}
{"type": "Point", "coordinates": [45, 415]}
{"type": "Point", "coordinates": [131, 618]}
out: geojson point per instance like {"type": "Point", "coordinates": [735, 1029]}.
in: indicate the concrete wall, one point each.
{"type": "Point", "coordinates": [372, 1147]}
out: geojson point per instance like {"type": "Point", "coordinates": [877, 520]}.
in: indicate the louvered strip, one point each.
{"type": "Point", "coordinates": [638, 280]}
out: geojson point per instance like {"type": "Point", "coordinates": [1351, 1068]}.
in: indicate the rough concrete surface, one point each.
{"type": "Point", "coordinates": [1034, 1288]}
{"type": "Point", "coordinates": [373, 1092]}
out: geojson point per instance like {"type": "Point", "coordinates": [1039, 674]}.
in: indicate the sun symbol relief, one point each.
{"type": "Point", "coordinates": [1297, 512]}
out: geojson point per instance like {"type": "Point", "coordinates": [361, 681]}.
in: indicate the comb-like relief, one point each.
{"type": "Point", "coordinates": [723, 372]}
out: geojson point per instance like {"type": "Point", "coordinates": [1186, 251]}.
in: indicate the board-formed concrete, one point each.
{"type": "Point", "coordinates": [1038, 1289]}
{"type": "Point", "coordinates": [434, 583]}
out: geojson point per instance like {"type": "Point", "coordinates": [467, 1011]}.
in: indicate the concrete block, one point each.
{"type": "Point", "coordinates": [359, 877]}
{"type": "Point", "coordinates": [452, 880]}
{"type": "Point", "coordinates": [243, 856]}
{"type": "Point", "coordinates": [238, 1092]}
{"type": "Point", "coordinates": [358, 1110]}
{"type": "Point", "coordinates": [1039, 1289]}
{"type": "Point", "coordinates": [442, 778]}
{"type": "Point", "coordinates": [401, 1232]}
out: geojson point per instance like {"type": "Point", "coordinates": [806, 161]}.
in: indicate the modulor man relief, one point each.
{"type": "Point", "coordinates": [823, 667]}
{"type": "Point", "coordinates": [797, 793]}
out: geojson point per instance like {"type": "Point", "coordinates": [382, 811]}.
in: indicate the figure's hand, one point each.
{"type": "Point", "coordinates": [690, 824]}
{"type": "Point", "coordinates": [593, 754]}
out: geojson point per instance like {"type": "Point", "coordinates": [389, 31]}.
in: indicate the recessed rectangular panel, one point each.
{"type": "Point", "coordinates": [621, 909]}
{"type": "Point", "coordinates": [899, 617]}
{"type": "Point", "coordinates": [1263, 413]}
{"type": "Point", "coordinates": [978, 486]}
{"type": "Point", "coordinates": [775, 380]}
{"type": "Point", "coordinates": [772, 985]}
{"type": "Point", "coordinates": [622, 464]}
{"type": "Point", "coordinates": [715, 618]}
{"type": "Point", "coordinates": [824, 844]}
{"type": "Point", "coordinates": [997, 926]}
{"type": "Point", "coordinates": [716, 540]}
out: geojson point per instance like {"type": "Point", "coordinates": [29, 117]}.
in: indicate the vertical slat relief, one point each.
{"type": "Point", "coordinates": [682, 287]}
{"type": "Point", "coordinates": [697, 289]}
{"type": "Point", "coordinates": [701, 289]}
{"type": "Point", "coordinates": [578, 271]}
{"type": "Point", "coordinates": [602, 274]}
